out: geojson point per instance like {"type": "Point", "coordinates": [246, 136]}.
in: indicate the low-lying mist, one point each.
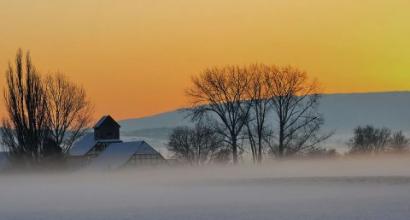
{"type": "Point", "coordinates": [345, 188]}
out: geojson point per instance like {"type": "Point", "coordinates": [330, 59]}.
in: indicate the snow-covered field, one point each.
{"type": "Point", "coordinates": [376, 188]}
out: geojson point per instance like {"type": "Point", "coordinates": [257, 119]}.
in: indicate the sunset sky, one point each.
{"type": "Point", "coordinates": [136, 57]}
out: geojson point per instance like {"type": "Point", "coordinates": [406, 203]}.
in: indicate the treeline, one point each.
{"type": "Point", "coordinates": [45, 114]}
{"type": "Point", "coordinates": [369, 139]}
{"type": "Point", "coordinates": [235, 103]}
{"type": "Point", "coordinates": [263, 111]}
{"type": "Point", "coordinates": [203, 145]}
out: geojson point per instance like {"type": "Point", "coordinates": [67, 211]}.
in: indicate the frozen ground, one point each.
{"type": "Point", "coordinates": [377, 188]}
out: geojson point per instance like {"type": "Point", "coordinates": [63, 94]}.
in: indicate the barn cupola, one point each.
{"type": "Point", "coordinates": [107, 129]}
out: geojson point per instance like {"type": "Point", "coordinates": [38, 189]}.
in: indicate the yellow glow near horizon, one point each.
{"type": "Point", "coordinates": [135, 58]}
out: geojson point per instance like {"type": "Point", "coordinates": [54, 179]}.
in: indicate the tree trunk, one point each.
{"type": "Point", "coordinates": [253, 145]}
{"type": "Point", "coordinates": [281, 141]}
{"type": "Point", "coordinates": [234, 150]}
{"type": "Point", "coordinates": [260, 150]}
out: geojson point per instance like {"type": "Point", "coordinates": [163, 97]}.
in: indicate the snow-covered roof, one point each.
{"type": "Point", "coordinates": [86, 143]}
{"type": "Point", "coordinates": [117, 154]}
{"type": "Point", "coordinates": [83, 145]}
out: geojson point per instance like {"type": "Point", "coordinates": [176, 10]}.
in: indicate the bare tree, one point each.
{"type": "Point", "coordinates": [25, 130]}
{"type": "Point", "coordinates": [369, 139]}
{"type": "Point", "coordinates": [260, 105]}
{"type": "Point", "coordinates": [295, 102]}
{"type": "Point", "coordinates": [197, 146]}
{"type": "Point", "coordinates": [69, 110]}
{"type": "Point", "coordinates": [221, 91]}
{"type": "Point", "coordinates": [399, 142]}
{"type": "Point", "coordinates": [180, 145]}
{"type": "Point", "coordinates": [44, 116]}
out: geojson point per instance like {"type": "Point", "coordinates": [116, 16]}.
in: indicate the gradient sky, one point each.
{"type": "Point", "coordinates": [135, 57]}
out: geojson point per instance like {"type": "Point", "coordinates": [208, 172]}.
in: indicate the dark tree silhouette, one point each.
{"type": "Point", "coordinates": [399, 142]}
{"type": "Point", "coordinates": [69, 110]}
{"type": "Point", "coordinates": [45, 116]}
{"type": "Point", "coordinates": [369, 139]}
{"type": "Point", "coordinates": [295, 102]}
{"type": "Point", "coordinates": [221, 91]}
{"type": "Point", "coordinates": [260, 104]}
{"type": "Point", "coordinates": [24, 132]}
{"type": "Point", "coordinates": [180, 145]}
{"type": "Point", "coordinates": [196, 146]}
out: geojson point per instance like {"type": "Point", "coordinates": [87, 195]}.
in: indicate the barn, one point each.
{"type": "Point", "coordinates": [126, 155]}
{"type": "Point", "coordinates": [103, 149]}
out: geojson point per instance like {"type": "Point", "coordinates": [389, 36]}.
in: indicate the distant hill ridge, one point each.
{"type": "Point", "coordinates": [342, 113]}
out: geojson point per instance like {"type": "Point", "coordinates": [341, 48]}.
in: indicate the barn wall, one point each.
{"type": "Point", "coordinates": [107, 131]}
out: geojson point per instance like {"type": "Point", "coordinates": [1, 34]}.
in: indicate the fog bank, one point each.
{"type": "Point", "coordinates": [356, 188]}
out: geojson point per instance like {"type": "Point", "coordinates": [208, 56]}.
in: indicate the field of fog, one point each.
{"type": "Point", "coordinates": [345, 188]}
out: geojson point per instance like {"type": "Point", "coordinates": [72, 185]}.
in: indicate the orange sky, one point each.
{"type": "Point", "coordinates": [135, 58]}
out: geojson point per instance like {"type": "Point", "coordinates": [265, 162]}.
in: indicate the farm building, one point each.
{"type": "Point", "coordinates": [127, 154]}
{"type": "Point", "coordinates": [103, 149]}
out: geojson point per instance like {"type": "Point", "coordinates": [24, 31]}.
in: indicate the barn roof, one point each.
{"type": "Point", "coordinates": [106, 118]}
{"type": "Point", "coordinates": [117, 154]}
{"type": "Point", "coordinates": [86, 143]}
{"type": "Point", "coordinates": [83, 145]}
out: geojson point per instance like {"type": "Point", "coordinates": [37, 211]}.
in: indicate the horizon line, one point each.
{"type": "Point", "coordinates": [337, 93]}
